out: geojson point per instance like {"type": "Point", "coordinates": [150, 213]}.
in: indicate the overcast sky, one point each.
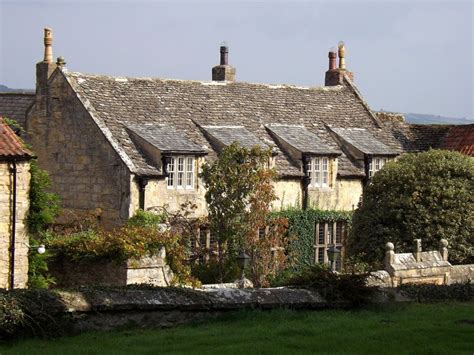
{"type": "Point", "coordinates": [407, 56]}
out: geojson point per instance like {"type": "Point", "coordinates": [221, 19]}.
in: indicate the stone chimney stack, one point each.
{"type": "Point", "coordinates": [223, 71]}
{"type": "Point", "coordinates": [335, 76]}
{"type": "Point", "coordinates": [45, 68]}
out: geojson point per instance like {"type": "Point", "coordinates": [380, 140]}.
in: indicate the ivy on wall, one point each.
{"type": "Point", "coordinates": [302, 227]}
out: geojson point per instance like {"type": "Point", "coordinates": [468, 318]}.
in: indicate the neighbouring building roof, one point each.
{"type": "Point", "coordinates": [304, 140]}
{"type": "Point", "coordinates": [364, 141]}
{"type": "Point", "coordinates": [226, 135]}
{"type": "Point", "coordinates": [166, 138]}
{"type": "Point", "coordinates": [115, 103]}
{"type": "Point", "coordinates": [11, 146]}
{"type": "Point", "coordinates": [14, 105]}
{"type": "Point", "coordinates": [460, 138]}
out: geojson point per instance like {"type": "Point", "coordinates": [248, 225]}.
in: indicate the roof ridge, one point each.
{"type": "Point", "coordinates": [121, 78]}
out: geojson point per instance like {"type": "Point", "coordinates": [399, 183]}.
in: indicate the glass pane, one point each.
{"type": "Point", "coordinates": [325, 164]}
{"type": "Point", "coordinates": [320, 254]}
{"type": "Point", "coordinates": [321, 234]}
{"type": "Point", "coordinates": [171, 179]}
{"type": "Point", "coordinates": [339, 232]}
{"type": "Point", "coordinates": [261, 233]}
{"type": "Point", "coordinates": [325, 179]}
{"type": "Point", "coordinates": [202, 237]}
{"type": "Point", "coordinates": [180, 179]}
{"type": "Point", "coordinates": [330, 233]}
{"type": "Point", "coordinates": [180, 164]}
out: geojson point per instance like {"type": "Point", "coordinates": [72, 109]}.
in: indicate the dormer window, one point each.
{"type": "Point", "coordinates": [181, 172]}
{"type": "Point", "coordinates": [376, 164]}
{"type": "Point", "coordinates": [318, 171]}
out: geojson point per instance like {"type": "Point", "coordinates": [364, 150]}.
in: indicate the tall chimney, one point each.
{"type": "Point", "coordinates": [45, 68]}
{"type": "Point", "coordinates": [335, 75]}
{"type": "Point", "coordinates": [223, 71]}
{"type": "Point", "coordinates": [48, 45]}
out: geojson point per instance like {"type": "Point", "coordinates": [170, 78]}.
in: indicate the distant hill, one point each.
{"type": "Point", "coordinates": [420, 118]}
{"type": "Point", "coordinates": [4, 88]}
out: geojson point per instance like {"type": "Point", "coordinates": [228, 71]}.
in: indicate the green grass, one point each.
{"type": "Point", "coordinates": [440, 328]}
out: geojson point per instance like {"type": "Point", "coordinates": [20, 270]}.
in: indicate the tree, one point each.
{"type": "Point", "coordinates": [425, 195]}
{"type": "Point", "coordinates": [239, 193]}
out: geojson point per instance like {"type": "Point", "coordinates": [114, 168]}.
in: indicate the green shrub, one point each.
{"type": "Point", "coordinates": [31, 312]}
{"type": "Point", "coordinates": [209, 273]}
{"type": "Point", "coordinates": [426, 195]}
{"type": "Point", "coordinates": [462, 292]}
{"type": "Point", "coordinates": [334, 287]}
{"type": "Point", "coordinates": [121, 244]}
{"type": "Point", "coordinates": [146, 219]}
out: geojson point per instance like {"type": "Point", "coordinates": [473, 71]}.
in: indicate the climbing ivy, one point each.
{"type": "Point", "coordinates": [301, 226]}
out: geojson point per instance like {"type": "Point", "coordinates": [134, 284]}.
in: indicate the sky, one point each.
{"type": "Point", "coordinates": [406, 56]}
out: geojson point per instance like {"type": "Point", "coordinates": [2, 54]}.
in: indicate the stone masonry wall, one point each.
{"type": "Point", "coordinates": [85, 170]}
{"type": "Point", "coordinates": [343, 196]}
{"type": "Point", "coordinates": [21, 239]}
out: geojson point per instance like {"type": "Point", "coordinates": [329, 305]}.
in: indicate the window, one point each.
{"type": "Point", "coordinates": [204, 246]}
{"type": "Point", "coordinates": [181, 173]}
{"type": "Point", "coordinates": [328, 234]}
{"type": "Point", "coordinates": [376, 164]}
{"type": "Point", "coordinates": [318, 171]}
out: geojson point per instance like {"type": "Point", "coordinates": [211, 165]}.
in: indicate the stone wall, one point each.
{"type": "Point", "coordinates": [85, 170]}
{"type": "Point", "coordinates": [21, 238]}
{"type": "Point", "coordinates": [343, 196]}
{"type": "Point", "coordinates": [147, 270]}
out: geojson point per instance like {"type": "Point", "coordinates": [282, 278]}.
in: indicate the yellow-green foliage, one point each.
{"type": "Point", "coordinates": [426, 195]}
{"type": "Point", "coordinates": [121, 244]}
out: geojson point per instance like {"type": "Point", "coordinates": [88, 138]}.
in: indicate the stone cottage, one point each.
{"type": "Point", "coordinates": [14, 203]}
{"type": "Point", "coordinates": [120, 144]}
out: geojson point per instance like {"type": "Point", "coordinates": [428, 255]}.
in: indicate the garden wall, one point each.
{"type": "Point", "coordinates": [147, 270]}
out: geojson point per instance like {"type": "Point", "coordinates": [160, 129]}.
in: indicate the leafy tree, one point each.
{"type": "Point", "coordinates": [44, 207]}
{"type": "Point", "coordinates": [239, 193]}
{"type": "Point", "coordinates": [426, 195]}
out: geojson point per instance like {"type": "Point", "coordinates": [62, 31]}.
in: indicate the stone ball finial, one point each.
{"type": "Point", "coordinates": [444, 243]}
{"type": "Point", "coordinates": [389, 246]}
{"type": "Point", "coordinates": [60, 61]}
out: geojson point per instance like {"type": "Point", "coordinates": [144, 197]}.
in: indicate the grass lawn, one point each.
{"type": "Point", "coordinates": [443, 328]}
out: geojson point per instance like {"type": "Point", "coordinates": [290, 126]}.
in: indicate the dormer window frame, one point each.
{"type": "Point", "coordinates": [181, 172]}
{"type": "Point", "coordinates": [376, 163]}
{"type": "Point", "coordinates": [319, 171]}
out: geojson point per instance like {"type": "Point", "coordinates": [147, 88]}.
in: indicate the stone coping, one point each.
{"type": "Point", "coordinates": [170, 298]}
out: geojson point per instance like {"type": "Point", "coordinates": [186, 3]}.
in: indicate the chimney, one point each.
{"type": "Point", "coordinates": [335, 76]}
{"type": "Point", "coordinates": [223, 71]}
{"type": "Point", "coordinates": [45, 68]}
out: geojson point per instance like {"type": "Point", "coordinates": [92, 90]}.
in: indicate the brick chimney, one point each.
{"type": "Point", "coordinates": [223, 71]}
{"type": "Point", "coordinates": [335, 75]}
{"type": "Point", "coordinates": [45, 68]}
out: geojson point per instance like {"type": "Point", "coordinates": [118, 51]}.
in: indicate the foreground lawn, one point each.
{"type": "Point", "coordinates": [416, 328]}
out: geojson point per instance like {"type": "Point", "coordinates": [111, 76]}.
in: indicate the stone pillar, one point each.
{"type": "Point", "coordinates": [417, 250]}
{"type": "Point", "coordinates": [389, 254]}
{"type": "Point", "coordinates": [443, 249]}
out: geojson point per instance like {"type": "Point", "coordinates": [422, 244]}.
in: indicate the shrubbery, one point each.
{"type": "Point", "coordinates": [333, 287]}
{"type": "Point", "coordinates": [426, 195]}
{"type": "Point", "coordinates": [136, 239]}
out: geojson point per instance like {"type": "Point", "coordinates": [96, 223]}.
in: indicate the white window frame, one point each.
{"type": "Point", "coordinates": [180, 174]}
{"type": "Point", "coordinates": [318, 171]}
{"type": "Point", "coordinates": [376, 163]}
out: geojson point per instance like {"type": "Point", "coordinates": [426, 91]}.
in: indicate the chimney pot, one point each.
{"type": "Point", "coordinates": [48, 45]}
{"type": "Point", "coordinates": [223, 71]}
{"type": "Point", "coordinates": [332, 60]}
{"type": "Point", "coordinates": [224, 55]}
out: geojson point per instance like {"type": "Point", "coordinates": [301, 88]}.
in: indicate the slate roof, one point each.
{"type": "Point", "coordinates": [166, 138]}
{"type": "Point", "coordinates": [460, 138]}
{"type": "Point", "coordinates": [227, 135]}
{"type": "Point", "coordinates": [304, 140]}
{"type": "Point", "coordinates": [187, 105]}
{"type": "Point", "coordinates": [11, 146]}
{"type": "Point", "coordinates": [364, 141]}
{"type": "Point", "coordinates": [14, 105]}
